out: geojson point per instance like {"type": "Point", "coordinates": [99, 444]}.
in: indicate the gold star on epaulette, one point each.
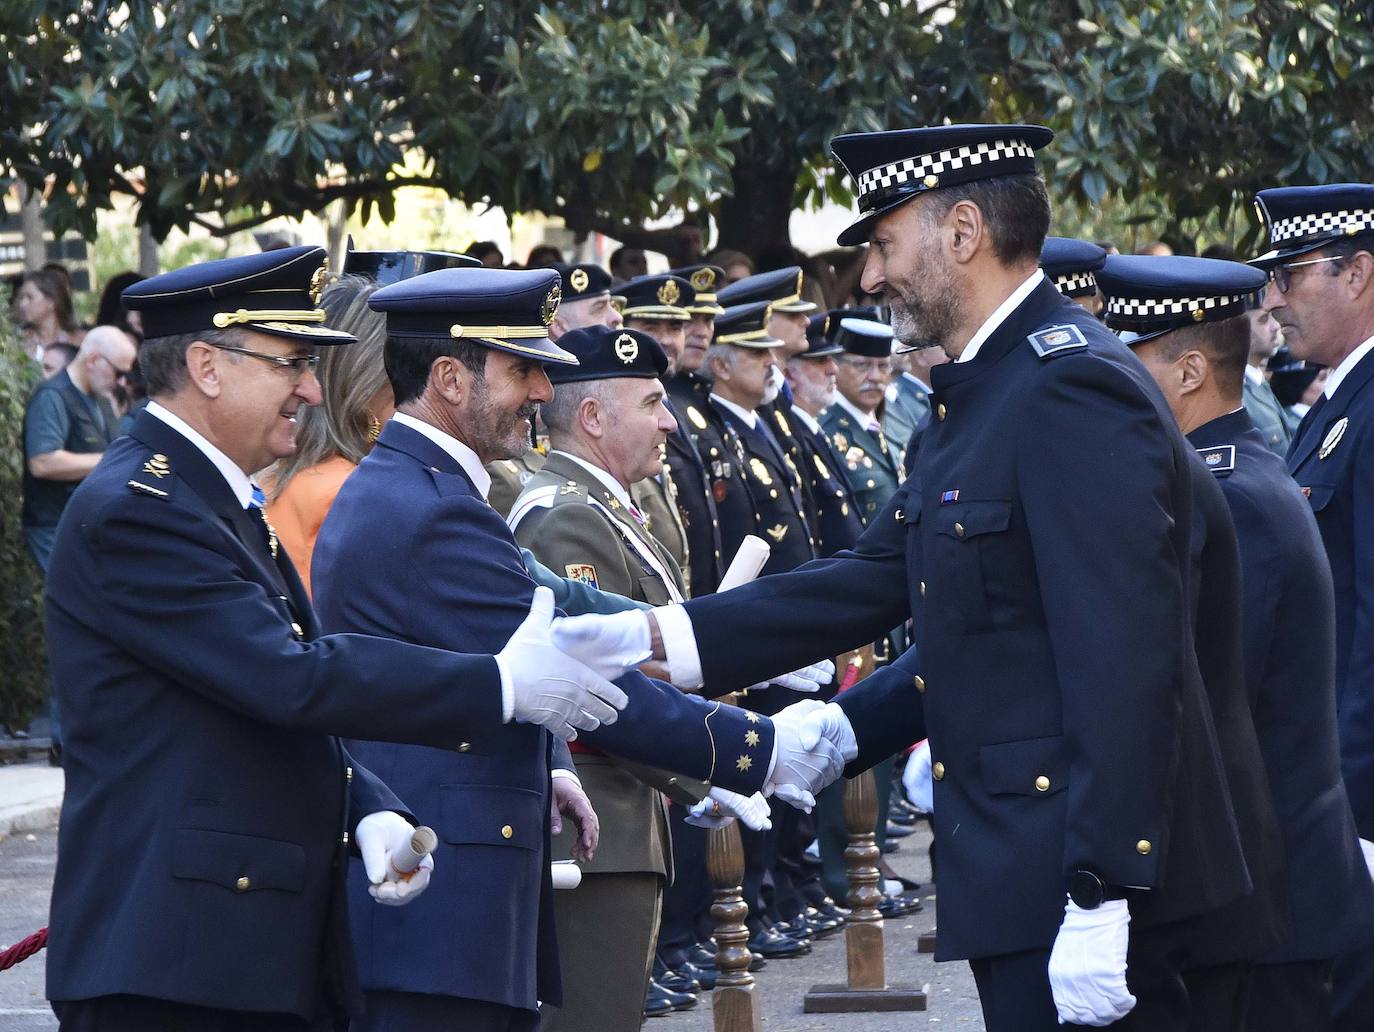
{"type": "Point", "coordinates": [743, 763]}
{"type": "Point", "coordinates": [751, 738]}
{"type": "Point", "coordinates": [752, 717]}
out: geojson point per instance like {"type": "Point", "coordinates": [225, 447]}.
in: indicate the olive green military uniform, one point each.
{"type": "Point", "coordinates": [509, 477]}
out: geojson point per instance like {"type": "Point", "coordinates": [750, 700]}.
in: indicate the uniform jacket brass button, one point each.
{"type": "Point", "coordinates": [919, 682]}
{"type": "Point", "coordinates": [243, 884]}
{"type": "Point", "coordinates": [940, 412]}
{"type": "Point", "coordinates": [958, 530]}
{"type": "Point", "coordinates": [937, 771]}
{"type": "Point", "coordinates": [1042, 784]}
{"type": "Point", "coordinates": [507, 831]}
{"type": "Point", "coordinates": [1143, 847]}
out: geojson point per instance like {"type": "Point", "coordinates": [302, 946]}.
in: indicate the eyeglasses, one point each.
{"type": "Point", "coordinates": [1281, 275]}
{"type": "Point", "coordinates": [298, 364]}
{"type": "Point", "coordinates": [120, 374]}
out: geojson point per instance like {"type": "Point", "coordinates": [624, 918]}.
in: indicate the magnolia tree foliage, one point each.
{"type": "Point", "coordinates": [610, 114]}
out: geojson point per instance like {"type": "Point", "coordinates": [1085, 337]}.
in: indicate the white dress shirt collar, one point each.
{"type": "Point", "coordinates": [1346, 365]}
{"type": "Point", "coordinates": [867, 420]}
{"type": "Point", "coordinates": [605, 479]}
{"type": "Point", "coordinates": [236, 478]}
{"type": "Point", "coordinates": [1254, 374]}
{"type": "Point", "coordinates": [1000, 316]}
{"type": "Point", "coordinates": [751, 419]}
{"type": "Point", "coordinates": [462, 454]}
{"type": "Point", "coordinates": [807, 419]}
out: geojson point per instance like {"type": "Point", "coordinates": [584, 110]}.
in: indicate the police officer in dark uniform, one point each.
{"type": "Point", "coordinates": [1085, 815]}
{"type": "Point", "coordinates": [422, 485]}
{"type": "Point", "coordinates": [1321, 291]}
{"type": "Point", "coordinates": [1287, 623]}
{"type": "Point", "coordinates": [209, 812]}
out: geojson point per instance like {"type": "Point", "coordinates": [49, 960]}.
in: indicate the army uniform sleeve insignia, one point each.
{"type": "Point", "coordinates": [1054, 340]}
{"type": "Point", "coordinates": [1221, 460]}
{"type": "Point", "coordinates": [584, 572]}
{"type": "Point", "coordinates": [1333, 437]}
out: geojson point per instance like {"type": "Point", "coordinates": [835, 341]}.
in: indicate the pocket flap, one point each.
{"type": "Point", "coordinates": [493, 815]}
{"type": "Point", "coordinates": [240, 863]}
{"type": "Point", "coordinates": [1319, 495]}
{"type": "Point", "coordinates": [1030, 766]}
{"type": "Point", "coordinates": [964, 520]}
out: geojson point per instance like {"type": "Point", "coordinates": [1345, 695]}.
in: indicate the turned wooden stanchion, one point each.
{"type": "Point", "coordinates": [732, 1003]}
{"type": "Point", "coordinates": [867, 988]}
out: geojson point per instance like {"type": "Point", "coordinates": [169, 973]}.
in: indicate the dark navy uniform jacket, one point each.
{"type": "Point", "coordinates": [1289, 636]}
{"type": "Point", "coordinates": [1249, 927]}
{"type": "Point", "coordinates": [838, 519]}
{"type": "Point", "coordinates": [1332, 459]}
{"type": "Point", "coordinates": [779, 512]}
{"type": "Point", "coordinates": [697, 505]}
{"type": "Point", "coordinates": [1041, 547]}
{"type": "Point", "coordinates": [410, 550]}
{"type": "Point", "coordinates": [201, 847]}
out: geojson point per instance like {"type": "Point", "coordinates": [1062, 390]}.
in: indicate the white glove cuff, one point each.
{"type": "Point", "coordinates": [507, 691]}
{"type": "Point", "coordinates": [680, 646]}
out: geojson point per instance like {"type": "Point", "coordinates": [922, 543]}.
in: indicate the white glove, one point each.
{"type": "Point", "coordinates": [826, 721]}
{"type": "Point", "coordinates": [378, 836]}
{"type": "Point", "coordinates": [808, 679]}
{"type": "Point", "coordinates": [721, 806]}
{"type": "Point", "coordinates": [1367, 848]}
{"type": "Point", "coordinates": [609, 644]}
{"type": "Point", "coordinates": [1088, 964]}
{"type": "Point", "coordinates": [548, 687]}
{"type": "Point", "coordinates": [805, 760]}
{"type": "Point", "coordinates": [920, 789]}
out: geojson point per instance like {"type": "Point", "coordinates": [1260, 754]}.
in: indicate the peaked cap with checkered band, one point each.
{"type": "Point", "coordinates": [1298, 219]}
{"type": "Point", "coordinates": [890, 168]}
{"type": "Point", "coordinates": [1071, 264]}
{"type": "Point", "coordinates": [1150, 295]}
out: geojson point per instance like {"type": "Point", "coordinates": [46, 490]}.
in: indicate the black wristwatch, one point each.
{"type": "Point", "coordinates": [1088, 891]}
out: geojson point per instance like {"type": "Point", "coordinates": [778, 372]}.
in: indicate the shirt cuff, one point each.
{"type": "Point", "coordinates": [567, 775]}
{"type": "Point", "coordinates": [679, 646]}
{"type": "Point", "coordinates": [507, 692]}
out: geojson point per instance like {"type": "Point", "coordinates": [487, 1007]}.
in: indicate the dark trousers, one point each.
{"type": "Point", "coordinates": [687, 901]}
{"type": "Point", "coordinates": [760, 849]}
{"type": "Point", "coordinates": [1014, 991]}
{"type": "Point", "coordinates": [1291, 996]}
{"type": "Point", "coordinates": [1352, 991]}
{"type": "Point", "coordinates": [420, 1012]}
{"type": "Point", "coordinates": [145, 1014]}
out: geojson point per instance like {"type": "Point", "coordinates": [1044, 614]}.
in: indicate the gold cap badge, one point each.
{"type": "Point", "coordinates": [578, 280]}
{"type": "Point", "coordinates": [317, 282]}
{"type": "Point", "coordinates": [704, 279]}
{"type": "Point", "coordinates": [669, 293]}
{"type": "Point", "coordinates": [551, 304]}
{"type": "Point", "coordinates": [626, 348]}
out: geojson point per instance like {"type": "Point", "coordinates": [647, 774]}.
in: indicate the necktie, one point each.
{"type": "Point", "coordinates": [639, 516]}
{"type": "Point", "coordinates": [256, 507]}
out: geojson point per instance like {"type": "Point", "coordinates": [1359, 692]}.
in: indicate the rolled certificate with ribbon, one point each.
{"type": "Point", "coordinates": [748, 561]}
{"type": "Point", "coordinates": [566, 874]}
{"type": "Point", "coordinates": [408, 857]}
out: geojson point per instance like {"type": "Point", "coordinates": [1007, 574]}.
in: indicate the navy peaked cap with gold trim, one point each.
{"type": "Point", "coordinates": [890, 168]}
{"type": "Point", "coordinates": [1298, 219]}
{"type": "Point", "coordinates": [1071, 263]}
{"type": "Point", "coordinates": [1150, 295]}
{"type": "Point", "coordinates": [276, 292]}
{"type": "Point", "coordinates": [509, 310]}
{"type": "Point", "coordinates": [745, 326]}
{"type": "Point", "coordinates": [388, 267]}
{"type": "Point", "coordinates": [705, 280]}
{"type": "Point", "coordinates": [866, 337]}
{"type": "Point", "coordinates": [583, 281]}
{"type": "Point", "coordinates": [782, 287]}
{"type": "Point", "coordinates": [609, 354]}
{"type": "Point", "coordinates": [818, 342]}
{"type": "Point", "coordinates": [662, 296]}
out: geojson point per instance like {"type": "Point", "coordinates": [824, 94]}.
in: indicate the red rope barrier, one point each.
{"type": "Point", "coordinates": [23, 949]}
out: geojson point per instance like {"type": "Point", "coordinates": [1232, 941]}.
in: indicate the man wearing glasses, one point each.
{"type": "Point", "coordinates": [1321, 291]}
{"type": "Point", "coordinates": [865, 369]}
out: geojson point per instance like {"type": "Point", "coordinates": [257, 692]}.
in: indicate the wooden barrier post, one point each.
{"type": "Point", "coordinates": [732, 1003]}
{"type": "Point", "coordinates": [867, 988]}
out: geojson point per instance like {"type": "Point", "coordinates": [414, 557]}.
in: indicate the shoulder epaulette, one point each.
{"type": "Point", "coordinates": [1221, 459]}
{"type": "Point", "coordinates": [1057, 340]}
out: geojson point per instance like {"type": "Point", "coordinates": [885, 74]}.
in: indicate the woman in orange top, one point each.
{"type": "Point", "coordinates": [333, 437]}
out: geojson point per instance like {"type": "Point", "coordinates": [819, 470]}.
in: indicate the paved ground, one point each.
{"type": "Point", "coordinates": [26, 866]}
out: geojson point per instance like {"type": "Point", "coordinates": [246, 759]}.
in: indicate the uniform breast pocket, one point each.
{"type": "Point", "coordinates": [240, 863]}
{"type": "Point", "coordinates": [1029, 767]}
{"type": "Point", "coordinates": [965, 564]}
{"type": "Point", "coordinates": [493, 815]}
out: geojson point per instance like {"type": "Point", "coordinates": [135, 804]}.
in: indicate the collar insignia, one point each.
{"type": "Point", "coordinates": [1333, 437]}
{"type": "Point", "coordinates": [157, 466]}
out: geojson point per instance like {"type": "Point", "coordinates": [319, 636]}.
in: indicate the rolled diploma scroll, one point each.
{"type": "Point", "coordinates": [748, 561]}
{"type": "Point", "coordinates": [566, 874]}
{"type": "Point", "coordinates": [407, 858]}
